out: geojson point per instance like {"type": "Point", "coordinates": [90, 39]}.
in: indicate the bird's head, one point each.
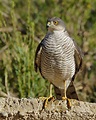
{"type": "Point", "coordinates": [55, 24]}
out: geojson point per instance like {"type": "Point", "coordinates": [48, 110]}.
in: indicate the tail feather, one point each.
{"type": "Point", "coordinates": [71, 92]}
{"type": "Point", "coordinates": [59, 93]}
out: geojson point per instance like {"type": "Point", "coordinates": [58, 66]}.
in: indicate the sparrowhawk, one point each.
{"type": "Point", "coordinates": [59, 59]}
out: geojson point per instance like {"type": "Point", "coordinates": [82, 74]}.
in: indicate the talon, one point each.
{"type": "Point", "coordinates": [48, 100]}
{"type": "Point", "coordinates": [68, 101]}
{"type": "Point", "coordinates": [64, 98]}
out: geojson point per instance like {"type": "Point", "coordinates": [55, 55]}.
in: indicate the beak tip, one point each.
{"type": "Point", "coordinates": [48, 24]}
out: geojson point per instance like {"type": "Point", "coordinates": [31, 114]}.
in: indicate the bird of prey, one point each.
{"type": "Point", "coordinates": [59, 58]}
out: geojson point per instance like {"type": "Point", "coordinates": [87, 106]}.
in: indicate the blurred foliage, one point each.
{"type": "Point", "coordinates": [23, 24]}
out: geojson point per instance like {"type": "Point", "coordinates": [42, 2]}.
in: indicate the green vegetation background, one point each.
{"type": "Point", "coordinates": [23, 25]}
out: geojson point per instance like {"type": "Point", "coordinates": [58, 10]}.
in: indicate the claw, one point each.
{"type": "Point", "coordinates": [68, 101]}
{"type": "Point", "coordinates": [48, 100]}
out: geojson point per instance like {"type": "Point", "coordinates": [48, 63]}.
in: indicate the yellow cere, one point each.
{"type": "Point", "coordinates": [48, 23]}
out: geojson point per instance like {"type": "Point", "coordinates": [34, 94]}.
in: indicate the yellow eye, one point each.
{"type": "Point", "coordinates": [55, 22]}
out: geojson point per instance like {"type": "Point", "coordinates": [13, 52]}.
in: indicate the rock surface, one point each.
{"type": "Point", "coordinates": [32, 109]}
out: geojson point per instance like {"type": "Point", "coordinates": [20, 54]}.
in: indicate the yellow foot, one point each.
{"type": "Point", "coordinates": [43, 98]}
{"type": "Point", "coordinates": [68, 101]}
{"type": "Point", "coordinates": [46, 100]}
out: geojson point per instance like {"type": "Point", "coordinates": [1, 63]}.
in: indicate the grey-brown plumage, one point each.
{"type": "Point", "coordinates": [59, 58]}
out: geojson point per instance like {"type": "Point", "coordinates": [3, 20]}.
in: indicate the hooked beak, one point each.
{"type": "Point", "coordinates": [48, 24]}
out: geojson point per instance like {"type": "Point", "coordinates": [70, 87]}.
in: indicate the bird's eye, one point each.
{"type": "Point", "coordinates": [55, 22]}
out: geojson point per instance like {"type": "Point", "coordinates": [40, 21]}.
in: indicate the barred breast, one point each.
{"type": "Point", "coordinates": [57, 58]}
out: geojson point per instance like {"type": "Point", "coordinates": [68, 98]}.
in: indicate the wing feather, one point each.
{"type": "Point", "coordinates": [37, 63]}
{"type": "Point", "coordinates": [78, 55]}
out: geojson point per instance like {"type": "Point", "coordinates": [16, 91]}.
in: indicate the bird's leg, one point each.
{"type": "Point", "coordinates": [47, 99]}
{"type": "Point", "coordinates": [51, 86]}
{"type": "Point", "coordinates": [50, 97]}
{"type": "Point", "coordinates": [65, 97]}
